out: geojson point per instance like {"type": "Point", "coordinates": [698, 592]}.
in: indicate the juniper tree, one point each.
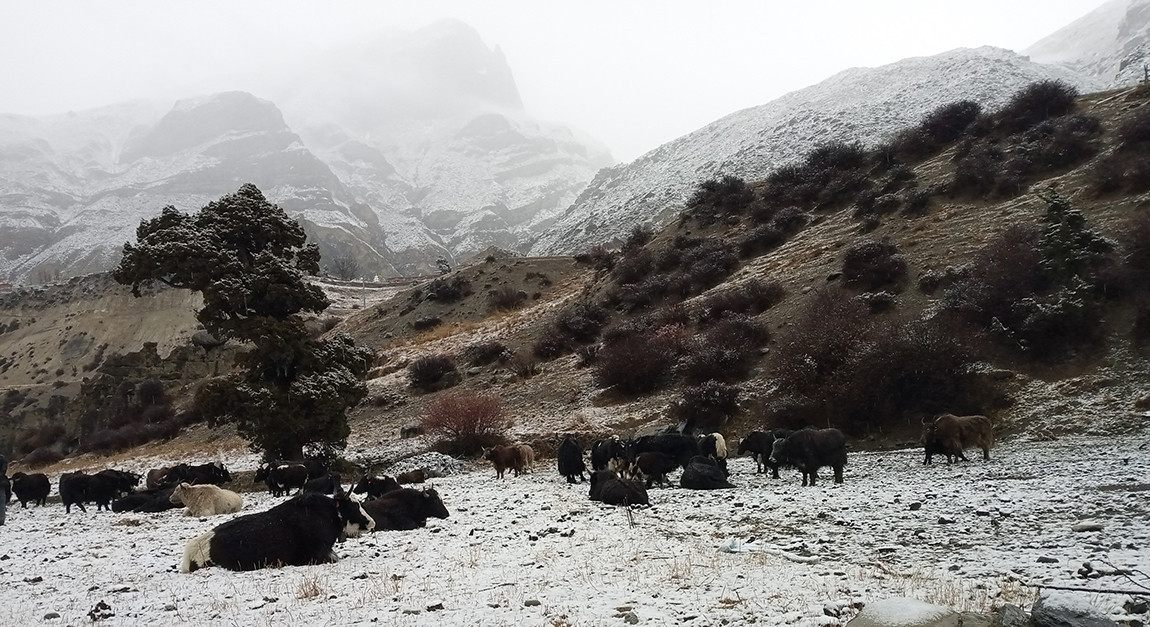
{"type": "Point", "coordinates": [249, 261]}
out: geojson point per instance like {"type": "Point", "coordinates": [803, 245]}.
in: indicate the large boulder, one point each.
{"type": "Point", "coordinates": [1064, 609]}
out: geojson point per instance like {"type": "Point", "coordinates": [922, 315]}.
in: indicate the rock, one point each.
{"type": "Point", "coordinates": [1135, 606]}
{"type": "Point", "coordinates": [1062, 609]}
{"type": "Point", "coordinates": [1047, 560]}
{"type": "Point", "coordinates": [435, 608]}
{"type": "Point", "coordinates": [531, 603]}
{"type": "Point", "coordinates": [901, 612]}
{"type": "Point", "coordinates": [1087, 525]}
{"type": "Point", "coordinates": [945, 520]}
{"type": "Point", "coordinates": [631, 618]}
{"type": "Point", "coordinates": [1010, 615]}
{"type": "Point", "coordinates": [51, 615]}
{"type": "Point", "coordinates": [914, 507]}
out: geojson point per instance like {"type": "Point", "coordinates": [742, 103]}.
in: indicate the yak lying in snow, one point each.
{"type": "Point", "coordinates": [607, 487]}
{"type": "Point", "coordinates": [206, 500]}
{"type": "Point", "coordinates": [300, 531]}
{"type": "Point", "coordinates": [375, 487]}
{"type": "Point", "coordinates": [949, 435]}
{"type": "Point", "coordinates": [704, 473]}
{"type": "Point", "coordinates": [810, 449]}
{"type": "Point", "coordinates": [405, 509]}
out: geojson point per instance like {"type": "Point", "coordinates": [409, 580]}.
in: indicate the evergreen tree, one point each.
{"type": "Point", "coordinates": [249, 261]}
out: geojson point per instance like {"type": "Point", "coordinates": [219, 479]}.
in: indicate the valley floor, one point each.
{"type": "Point", "coordinates": [534, 550]}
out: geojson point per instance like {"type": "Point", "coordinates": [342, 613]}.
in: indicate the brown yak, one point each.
{"type": "Point", "coordinates": [949, 435]}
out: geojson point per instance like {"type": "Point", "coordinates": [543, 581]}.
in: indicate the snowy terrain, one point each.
{"type": "Point", "coordinates": [859, 104]}
{"type": "Point", "coordinates": [534, 550]}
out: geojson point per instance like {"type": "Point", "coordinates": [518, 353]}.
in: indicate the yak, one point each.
{"type": "Point", "coordinates": [569, 456]}
{"type": "Point", "coordinates": [949, 435]}
{"type": "Point", "coordinates": [759, 445]}
{"type": "Point", "coordinates": [608, 454]}
{"type": "Point", "coordinates": [300, 531]}
{"type": "Point", "coordinates": [375, 487]}
{"type": "Point", "coordinates": [810, 449]}
{"type": "Point", "coordinates": [607, 487]}
{"type": "Point", "coordinates": [405, 509]}
{"type": "Point", "coordinates": [704, 473]}
{"type": "Point", "coordinates": [31, 488]}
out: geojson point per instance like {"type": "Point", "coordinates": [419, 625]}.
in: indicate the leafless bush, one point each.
{"type": "Point", "coordinates": [432, 372]}
{"type": "Point", "coordinates": [467, 422]}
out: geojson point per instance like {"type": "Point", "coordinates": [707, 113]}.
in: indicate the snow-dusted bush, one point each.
{"type": "Point", "coordinates": [466, 422]}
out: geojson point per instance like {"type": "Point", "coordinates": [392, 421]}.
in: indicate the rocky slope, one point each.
{"type": "Point", "coordinates": [431, 155]}
{"type": "Point", "coordinates": [1111, 43]}
{"type": "Point", "coordinates": [864, 104]}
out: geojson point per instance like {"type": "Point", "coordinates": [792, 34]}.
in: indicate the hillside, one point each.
{"type": "Point", "coordinates": [857, 104]}
{"type": "Point", "coordinates": [1088, 377]}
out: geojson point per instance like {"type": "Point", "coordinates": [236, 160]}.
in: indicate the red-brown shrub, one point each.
{"type": "Point", "coordinates": [635, 364]}
{"type": "Point", "coordinates": [466, 422]}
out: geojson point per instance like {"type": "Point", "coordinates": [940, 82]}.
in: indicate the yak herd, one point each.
{"type": "Point", "coordinates": [303, 529]}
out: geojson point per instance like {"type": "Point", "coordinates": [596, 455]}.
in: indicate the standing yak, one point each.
{"type": "Point", "coordinates": [949, 435]}
{"type": "Point", "coordinates": [810, 449]}
{"type": "Point", "coordinates": [570, 458]}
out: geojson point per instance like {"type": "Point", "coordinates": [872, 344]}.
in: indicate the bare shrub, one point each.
{"type": "Point", "coordinates": [640, 236]}
{"type": "Point", "coordinates": [713, 197]}
{"type": "Point", "coordinates": [41, 457]}
{"type": "Point", "coordinates": [1035, 103]}
{"type": "Point", "coordinates": [466, 422]}
{"type": "Point", "coordinates": [582, 321]}
{"type": "Point", "coordinates": [44, 436]}
{"type": "Point", "coordinates": [432, 372]}
{"type": "Point", "coordinates": [818, 345]}
{"type": "Point", "coordinates": [598, 257]}
{"type": "Point", "coordinates": [524, 366]}
{"type": "Point", "coordinates": [483, 353]}
{"type": "Point", "coordinates": [752, 297]}
{"type": "Point", "coordinates": [506, 298]}
{"type": "Point", "coordinates": [552, 343]}
{"type": "Point", "coordinates": [937, 129]}
{"type": "Point", "coordinates": [633, 268]}
{"type": "Point", "coordinates": [872, 264]}
{"type": "Point", "coordinates": [635, 364]}
{"type": "Point", "coordinates": [707, 406]}
{"type": "Point", "coordinates": [449, 290]}
{"type": "Point", "coordinates": [726, 351]}
{"type": "Point", "coordinates": [426, 322]}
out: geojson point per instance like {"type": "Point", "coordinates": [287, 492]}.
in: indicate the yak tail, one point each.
{"type": "Point", "coordinates": [198, 553]}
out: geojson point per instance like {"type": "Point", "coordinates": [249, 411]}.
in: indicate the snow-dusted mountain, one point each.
{"type": "Point", "coordinates": [865, 104]}
{"type": "Point", "coordinates": [1111, 43]}
{"type": "Point", "coordinates": [397, 150]}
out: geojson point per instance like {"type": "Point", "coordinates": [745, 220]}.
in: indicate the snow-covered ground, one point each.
{"type": "Point", "coordinates": [534, 550]}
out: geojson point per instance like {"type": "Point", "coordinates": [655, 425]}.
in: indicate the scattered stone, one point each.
{"type": "Point", "coordinates": [36, 579]}
{"type": "Point", "coordinates": [1087, 525]}
{"type": "Point", "coordinates": [171, 607]}
{"type": "Point", "coordinates": [1135, 606]}
{"type": "Point", "coordinates": [1047, 560]}
{"type": "Point", "coordinates": [631, 618]}
{"type": "Point", "coordinates": [51, 616]}
{"type": "Point", "coordinates": [435, 608]}
{"type": "Point", "coordinates": [100, 611]}
{"type": "Point", "coordinates": [531, 603]}
{"type": "Point", "coordinates": [1060, 609]}
{"type": "Point", "coordinates": [900, 612]}
{"type": "Point", "coordinates": [914, 507]}
{"type": "Point", "coordinates": [945, 520]}
{"type": "Point", "coordinates": [981, 512]}
{"type": "Point", "coordinates": [1010, 615]}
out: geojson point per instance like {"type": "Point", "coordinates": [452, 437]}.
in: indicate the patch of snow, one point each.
{"type": "Point", "coordinates": [897, 611]}
{"type": "Point", "coordinates": [511, 543]}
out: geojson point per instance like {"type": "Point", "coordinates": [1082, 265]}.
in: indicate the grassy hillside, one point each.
{"type": "Point", "coordinates": [981, 262]}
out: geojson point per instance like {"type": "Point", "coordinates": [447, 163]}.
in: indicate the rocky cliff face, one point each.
{"type": "Point", "coordinates": [864, 104]}
{"type": "Point", "coordinates": [1111, 43]}
{"type": "Point", "coordinates": [397, 152]}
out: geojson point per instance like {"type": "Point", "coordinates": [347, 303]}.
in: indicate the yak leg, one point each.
{"type": "Point", "coordinates": [986, 452]}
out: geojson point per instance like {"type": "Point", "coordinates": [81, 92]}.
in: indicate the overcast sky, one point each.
{"type": "Point", "coordinates": [634, 74]}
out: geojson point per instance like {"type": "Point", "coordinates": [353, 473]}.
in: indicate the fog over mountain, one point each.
{"type": "Point", "coordinates": [408, 146]}
{"type": "Point", "coordinates": [396, 151]}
